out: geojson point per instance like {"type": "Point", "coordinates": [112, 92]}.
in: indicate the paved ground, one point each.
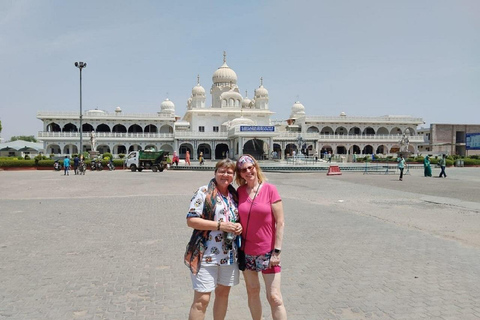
{"type": "Point", "coordinates": [109, 245]}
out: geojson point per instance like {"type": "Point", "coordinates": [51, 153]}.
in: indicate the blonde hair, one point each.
{"type": "Point", "coordinates": [260, 176]}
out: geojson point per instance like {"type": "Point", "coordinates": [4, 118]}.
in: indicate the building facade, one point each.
{"type": "Point", "coordinates": [450, 139]}
{"type": "Point", "coordinates": [232, 125]}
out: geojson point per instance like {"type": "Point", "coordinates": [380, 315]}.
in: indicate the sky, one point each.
{"type": "Point", "coordinates": [361, 57]}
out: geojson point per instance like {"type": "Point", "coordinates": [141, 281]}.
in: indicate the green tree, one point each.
{"type": "Point", "coordinates": [0, 126]}
{"type": "Point", "coordinates": [24, 138]}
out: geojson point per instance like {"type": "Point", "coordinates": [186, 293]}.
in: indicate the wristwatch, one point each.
{"type": "Point", "coordinates": [277, 251]}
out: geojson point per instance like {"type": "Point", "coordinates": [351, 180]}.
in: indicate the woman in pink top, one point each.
{"type": "Point", "coordinates": [261, 215]}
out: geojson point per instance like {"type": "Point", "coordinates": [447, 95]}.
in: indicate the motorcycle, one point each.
{"type": "Point", "coordinates": [96, 165]}
{"type": "Point", "coordinates": [110, 166]}
{"type": "Point", "coordinates": [57, 166]}
{"type": "Point", "coordinates": [82, 167]}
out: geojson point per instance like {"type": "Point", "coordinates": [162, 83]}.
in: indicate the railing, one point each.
{"type": "Point", "coordinates": [189, 134]}
{"type": "Point", "coordinates": [46, 134]}
{"type": "Point", "coordinates": [349, 119]}
{"type": "Point", "coordinates": [347, 137]}
{"type": "Point", "coordinates": [103, 114]}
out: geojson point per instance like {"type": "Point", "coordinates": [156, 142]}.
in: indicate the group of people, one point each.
{"type": "Point", "coordinates": [78, 163]}
{"type": "Point", "coordinates": [235, 226]}
{"type": "Point", "coordinates": [427, 172]}
{"type": "Point", "coordinates": [427, 169]}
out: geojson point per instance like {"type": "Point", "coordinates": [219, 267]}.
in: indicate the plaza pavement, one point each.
{"type": "Point", "coordinates": [109, 245]}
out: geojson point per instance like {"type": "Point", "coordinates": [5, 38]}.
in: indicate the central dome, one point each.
{"type": "Point", "coordinates": [224, 74]}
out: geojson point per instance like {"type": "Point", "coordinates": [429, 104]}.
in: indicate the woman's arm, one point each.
{"type": "Point", "coordinates": [202, 224]}
{"type": "Point", "coordinates": [277, 209]}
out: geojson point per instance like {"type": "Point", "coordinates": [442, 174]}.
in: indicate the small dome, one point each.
{"type": "Point", "coordinates": [231, 94]}
{"type": "Point", "coordinates": [298, 107]}
{"type": "Point", "coordinates": [198, 90]}
{"type": "Point", "coordinates": [241, 121]}
{"type": "Point", "coordinates": [96, 111]}
{"type": "Point", "coordinates": [246, 103]}
{"type": "Point", "coordinates": [298, 110]}
{"type": "Point", "coordinates": [118, 109]}
{"type": "Point", "coordinates": [261, 92]}
{"type": "Point", "coordinates": [167, 105]}
{"type": "Point", "coordinates": [343, 114]}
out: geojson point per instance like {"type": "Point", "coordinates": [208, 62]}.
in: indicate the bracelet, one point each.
{"type": "Point", "coordinates": [218, 225]}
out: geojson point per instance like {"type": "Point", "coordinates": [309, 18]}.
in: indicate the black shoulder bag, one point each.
{"type": "Point", "coordinates": [241, 253]}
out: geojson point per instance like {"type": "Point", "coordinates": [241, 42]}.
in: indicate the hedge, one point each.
{"type": "Point", "coordinates": [17, 163]}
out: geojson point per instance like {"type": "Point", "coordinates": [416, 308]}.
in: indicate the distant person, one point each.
{"type": "Point", "coordinates": [200, 158]}
{"type": "Point", "coordinates": [427, 169]}
{"type": "Point", "coordinates": [187, 157]}
{"type": "Point", "coordinates": [354, 157]}
{"type": "Point", "coordinates": [329, 156]}
{"type": "Point", "coordinates": [442, 162]}
{"type": "Point", "coordinates": [76, 162]}
{"type": "Point", "coordinates": [401, 166]}
{"type": "Point", "coordinates": [175, 158]}
{"type": "Point", "coordinates": [66, 166]}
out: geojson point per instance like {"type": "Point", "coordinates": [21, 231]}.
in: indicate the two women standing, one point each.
{"type": "Point", "coordinates": [215, 212]}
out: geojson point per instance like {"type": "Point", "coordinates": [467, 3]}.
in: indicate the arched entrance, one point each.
{"type": "Point", "coordinates": [221, 151]}
{"type": "Point", "coordinates": [182, 151]}
{"type": "Point", "coordinates": [205, 149]}
{"type": "Point", "coordinates": [255, 147]}
{"type": "Point", "coordinates": [289, 149]}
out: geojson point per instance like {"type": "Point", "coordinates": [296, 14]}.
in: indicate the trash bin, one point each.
{"type": "Point", "coordinates": [343, 159]}
{"type": "Point", "coordinates": [459, 163]}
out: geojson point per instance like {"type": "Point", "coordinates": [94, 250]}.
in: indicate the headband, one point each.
{"type": "Point", "coordinates": [245, 159]}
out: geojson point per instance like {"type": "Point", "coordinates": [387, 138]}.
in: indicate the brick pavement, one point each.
{"type": "Point", "coordinates": [109, 245]}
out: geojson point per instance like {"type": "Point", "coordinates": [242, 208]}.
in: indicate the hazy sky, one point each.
{"type": "Point", "coordinates": [363, 57]}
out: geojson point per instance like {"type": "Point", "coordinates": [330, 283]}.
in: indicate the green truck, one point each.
{"type": "Point", "coordinates": [154, 160]}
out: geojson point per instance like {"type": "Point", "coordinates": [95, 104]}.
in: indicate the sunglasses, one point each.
{"type": "Point", "coordinates": [249, 168]}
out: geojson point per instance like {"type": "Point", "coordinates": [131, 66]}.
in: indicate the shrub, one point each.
{"type": "Point", "coordinates": [16, 163]}
{"type": "Point", "coordinates": [46, 163]}
{"type": "Point", "coordinates": [448, 162]}
{"type": "Point", "coordinates": [27, 157]}
{"type": "Point", "coordinates": [118, 162]}
{"type": "Point", "coordinates": [121, 155]}
{"type": "Point", "coordinates": [470, 161]}
{"type": "Point", "coordinates": [107, 155]}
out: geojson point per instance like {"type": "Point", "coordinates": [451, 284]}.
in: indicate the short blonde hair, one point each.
{"type": "Point", "coordinates": [238, 178]}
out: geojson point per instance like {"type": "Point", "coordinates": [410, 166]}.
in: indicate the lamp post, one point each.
{"type": "Point", "coordinates": [81, 65]}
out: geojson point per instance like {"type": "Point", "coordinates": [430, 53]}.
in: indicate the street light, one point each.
{"type": "Point", "coordinates": [81, 65]}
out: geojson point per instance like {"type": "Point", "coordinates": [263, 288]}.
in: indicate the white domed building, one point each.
{"type": "Point", "coordinates": [230, 126]}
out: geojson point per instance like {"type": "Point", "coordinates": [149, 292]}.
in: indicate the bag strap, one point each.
{"type": "Point", "coordinates": [248, 220]}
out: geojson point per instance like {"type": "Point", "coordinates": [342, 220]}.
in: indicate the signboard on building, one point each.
{"type": "Point", "coordinates": [473, 141]}
{"type": "Point", "coordinates": [258, 128]}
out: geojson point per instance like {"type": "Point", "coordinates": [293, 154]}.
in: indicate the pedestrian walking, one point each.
{"type": "Point", "coordinates": [187, 157]}
{"type": "Point", "coordinates": [66, 166]}
{"type": "Point", "coordinates": [427, 169]}
{"type": "Point", "coordinates": [401, 166]}
{"type": "Point", "coordinates": [442, 162]}
{"type": "Point", "coordinates": [76, 162]}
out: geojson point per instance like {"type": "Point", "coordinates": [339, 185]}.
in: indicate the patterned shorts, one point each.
{"type": "Point", "coordinates": [260, 263]}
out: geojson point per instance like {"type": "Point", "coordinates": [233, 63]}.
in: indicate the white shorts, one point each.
{"type": "Point", "coordinates": [209, 276]}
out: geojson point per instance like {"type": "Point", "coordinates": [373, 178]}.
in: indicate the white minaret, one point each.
{"type": "Point", "coordinates": [261, 97]}
{"type": "Point", "coordinates": [198, 95]}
